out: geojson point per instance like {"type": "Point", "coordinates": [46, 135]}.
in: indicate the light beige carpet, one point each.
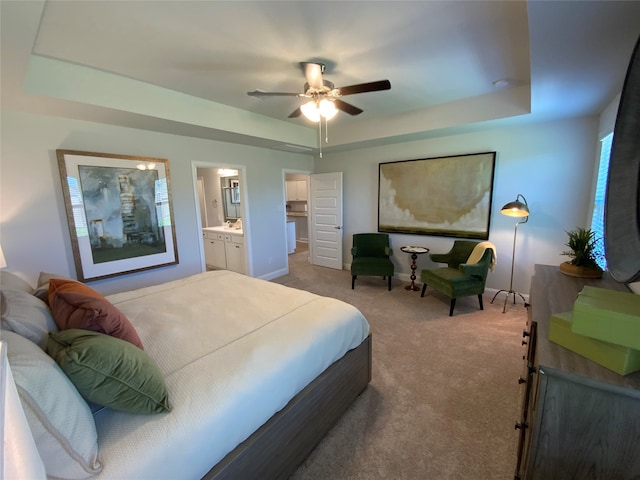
{"type": "Point", "coordinates": [444, 397]}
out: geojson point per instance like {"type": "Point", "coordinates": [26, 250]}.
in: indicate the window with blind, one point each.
{"type": "Point", "coordinates": [597, 220]}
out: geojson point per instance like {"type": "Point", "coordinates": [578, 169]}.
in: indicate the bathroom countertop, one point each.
{"type": "Point", "coordinates": [222, 229]}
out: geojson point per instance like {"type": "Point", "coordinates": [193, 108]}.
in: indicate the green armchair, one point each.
{"type": "Point", "coordinates": [371, 254]}
{"type": "Point", "coordinates": [458, 278]}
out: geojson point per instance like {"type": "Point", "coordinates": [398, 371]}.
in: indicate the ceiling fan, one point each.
{"type": "Point", "coordinates": [324, 97]}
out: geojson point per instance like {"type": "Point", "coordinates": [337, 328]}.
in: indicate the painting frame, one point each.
{"type": "Point", "coordinates": [119, 211]}
{"type": "Point", "coordinates": [449, 196]}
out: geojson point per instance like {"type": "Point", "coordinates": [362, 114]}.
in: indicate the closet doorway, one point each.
{"type": "Point", "coordinates": [297, 210]}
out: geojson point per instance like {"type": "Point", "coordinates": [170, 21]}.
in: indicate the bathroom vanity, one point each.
{"type": "Point", "coordinates": [224, 248]}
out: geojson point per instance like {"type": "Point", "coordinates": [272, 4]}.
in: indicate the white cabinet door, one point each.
{"type": "Point", "coordinates": [301, 190]}
{"type": "Point", "coordinates": [291, 190]}
{"type": "Point", "coordinates": [235, 255]}
{"type": "Point", "coordinates": [296, 190]}
{"type": "Point", "coordinates": [214, 253]}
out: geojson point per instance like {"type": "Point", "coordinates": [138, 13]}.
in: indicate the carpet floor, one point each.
{"type": "Point", "coordinates": [444, 397]}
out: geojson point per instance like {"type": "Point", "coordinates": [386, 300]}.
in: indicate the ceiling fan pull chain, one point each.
{"type": "Point", "coordinates": [320, 137]}
{"type": "Point", "coordinates": [326, 130]}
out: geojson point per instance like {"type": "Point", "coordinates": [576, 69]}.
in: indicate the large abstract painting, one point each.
{"type": "Point", "coordinates": [446, 196]}
{"type": "Point", "coordinates": [119, 213]}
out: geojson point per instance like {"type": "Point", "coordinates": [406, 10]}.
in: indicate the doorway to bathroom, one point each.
{"type": "Point", "coordinates": [218, 195]}
{"type": "Point", "coordinates": [221, 202]}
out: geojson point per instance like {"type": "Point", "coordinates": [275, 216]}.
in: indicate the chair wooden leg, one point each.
{"type": "Point", "coordinates": [353, 281]}
{"type": "Point", "coordinates": [424, 288]}
{"type": "Point", "coordinates": [480, 300]}
{"type": "Point", "coordinates": [453, 304]}
{"type": "Point", "coordinates": [389, 282]}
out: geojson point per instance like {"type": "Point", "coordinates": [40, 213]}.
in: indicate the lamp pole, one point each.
{"type": "Point", "coordinates": [514, 209]}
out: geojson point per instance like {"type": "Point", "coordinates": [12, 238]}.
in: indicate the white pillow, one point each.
{"type": "Point", "coordinates": [635, 287]}
{"type": "Point", "coordinates": [26, 315]}
{"type": "Point", "coordinates": [10, 281]}
{"type": "Point", "coordinates": [59, 418]}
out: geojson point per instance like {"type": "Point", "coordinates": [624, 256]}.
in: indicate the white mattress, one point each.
{"type": "Point", "coordinates": [234, 350]}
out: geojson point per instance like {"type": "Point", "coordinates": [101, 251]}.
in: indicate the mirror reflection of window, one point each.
{"type": "Point", "coordinates": [234, 185]}
{"type": "Point", "coordinates": [231, 198]}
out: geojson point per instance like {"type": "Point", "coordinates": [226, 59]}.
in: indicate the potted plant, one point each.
{"type": "Point", "coordinates": [582, 243]}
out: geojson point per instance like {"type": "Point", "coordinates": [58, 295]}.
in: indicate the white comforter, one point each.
{"type": "Point", "coordinates": [234, 350]}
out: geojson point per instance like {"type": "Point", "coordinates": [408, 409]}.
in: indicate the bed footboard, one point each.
{"type": "Point", "coordinates": [277, 448]}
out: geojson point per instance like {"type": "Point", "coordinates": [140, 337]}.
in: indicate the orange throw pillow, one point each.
{"type": "Point", "coordinates": [75, 305]}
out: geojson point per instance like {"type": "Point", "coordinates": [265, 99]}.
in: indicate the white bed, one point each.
{"type": "Point", "coordinates": [233, 351]}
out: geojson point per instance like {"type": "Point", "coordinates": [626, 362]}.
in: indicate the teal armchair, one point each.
{"type": "Point", "coordinates": [458, 278]}
{"type": "Point", "coordinates": [371, 252]}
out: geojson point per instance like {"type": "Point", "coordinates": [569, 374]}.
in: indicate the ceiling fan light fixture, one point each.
{"type": "Point", "coordinates": [324, 98]}
{"type": "Point", "coordinates": [314, 110]}
{"type": "Point", "coordinates": [327, 109]}
{"type": "Point", "coordinates": [311, 111]}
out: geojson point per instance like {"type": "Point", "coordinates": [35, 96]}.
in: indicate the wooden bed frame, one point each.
{"type": "Point", "coordinates": [276, 449]}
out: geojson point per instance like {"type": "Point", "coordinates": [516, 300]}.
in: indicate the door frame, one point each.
{"type": "Point", "coordinates": [203, 203]}
{"type": "Point", "coordinates": [244, 198]}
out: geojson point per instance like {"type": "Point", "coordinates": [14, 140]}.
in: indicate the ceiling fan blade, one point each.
{"type": "Point", "coordinates": [366, 87]}
{"type": "Point", "coordinates": [313, 74]}
{"type": "Point", "coordinates": [296, 113]}
{"type": "Point", "coordinates": [347, 107]}
{"type": "Point", "coordinates": [261, 94]}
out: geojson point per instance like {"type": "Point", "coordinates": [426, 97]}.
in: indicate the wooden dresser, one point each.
{"type": "Point", "coordinates": [579, 420]}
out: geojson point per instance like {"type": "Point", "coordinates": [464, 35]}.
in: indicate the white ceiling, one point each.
{"type": "Point", "coordinates": [561, 59]}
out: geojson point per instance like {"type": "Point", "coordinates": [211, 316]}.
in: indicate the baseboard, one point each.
{"type": "Point", "coordinates": [274, 274]}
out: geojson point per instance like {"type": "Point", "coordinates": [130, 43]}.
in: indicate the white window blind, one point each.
{"type": "Point", "coordinates": [597, 220]}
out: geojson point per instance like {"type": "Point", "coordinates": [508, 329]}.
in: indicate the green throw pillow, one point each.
{"type": "Point", "coordinates": [110, 371]}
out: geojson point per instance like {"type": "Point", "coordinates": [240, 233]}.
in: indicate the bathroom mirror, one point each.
{"type": "Point", "coordinates": [231, 198]}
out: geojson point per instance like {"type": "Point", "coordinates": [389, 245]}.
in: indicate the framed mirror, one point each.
{"type": "Point", "coordinates": [231, 198]}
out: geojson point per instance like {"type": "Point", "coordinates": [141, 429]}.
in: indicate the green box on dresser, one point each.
{"type": "Point", "coordinates": [578, 419]}
{"type": "Point", "coordinates": [608, 315]}
{"type": "Point", "coordinates": [620, 359]}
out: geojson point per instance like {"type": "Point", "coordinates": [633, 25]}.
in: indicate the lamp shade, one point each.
{"type": "Point", "coordinates": [516, 208]}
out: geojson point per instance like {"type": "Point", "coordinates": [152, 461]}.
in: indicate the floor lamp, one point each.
{"type": "Point", "coordinates": [519, 209]}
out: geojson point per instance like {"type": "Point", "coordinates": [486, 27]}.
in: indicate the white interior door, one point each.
{"type": "Point", "coordinates": [325, 192]}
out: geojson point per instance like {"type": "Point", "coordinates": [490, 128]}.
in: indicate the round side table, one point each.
{"type": "Point", "coordinates": [414, 251]}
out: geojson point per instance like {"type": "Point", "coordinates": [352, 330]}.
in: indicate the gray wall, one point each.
{"type": "Point", "coordinates": [34, 233]}
{"type": "Point", "coordinates": [551, 164]}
